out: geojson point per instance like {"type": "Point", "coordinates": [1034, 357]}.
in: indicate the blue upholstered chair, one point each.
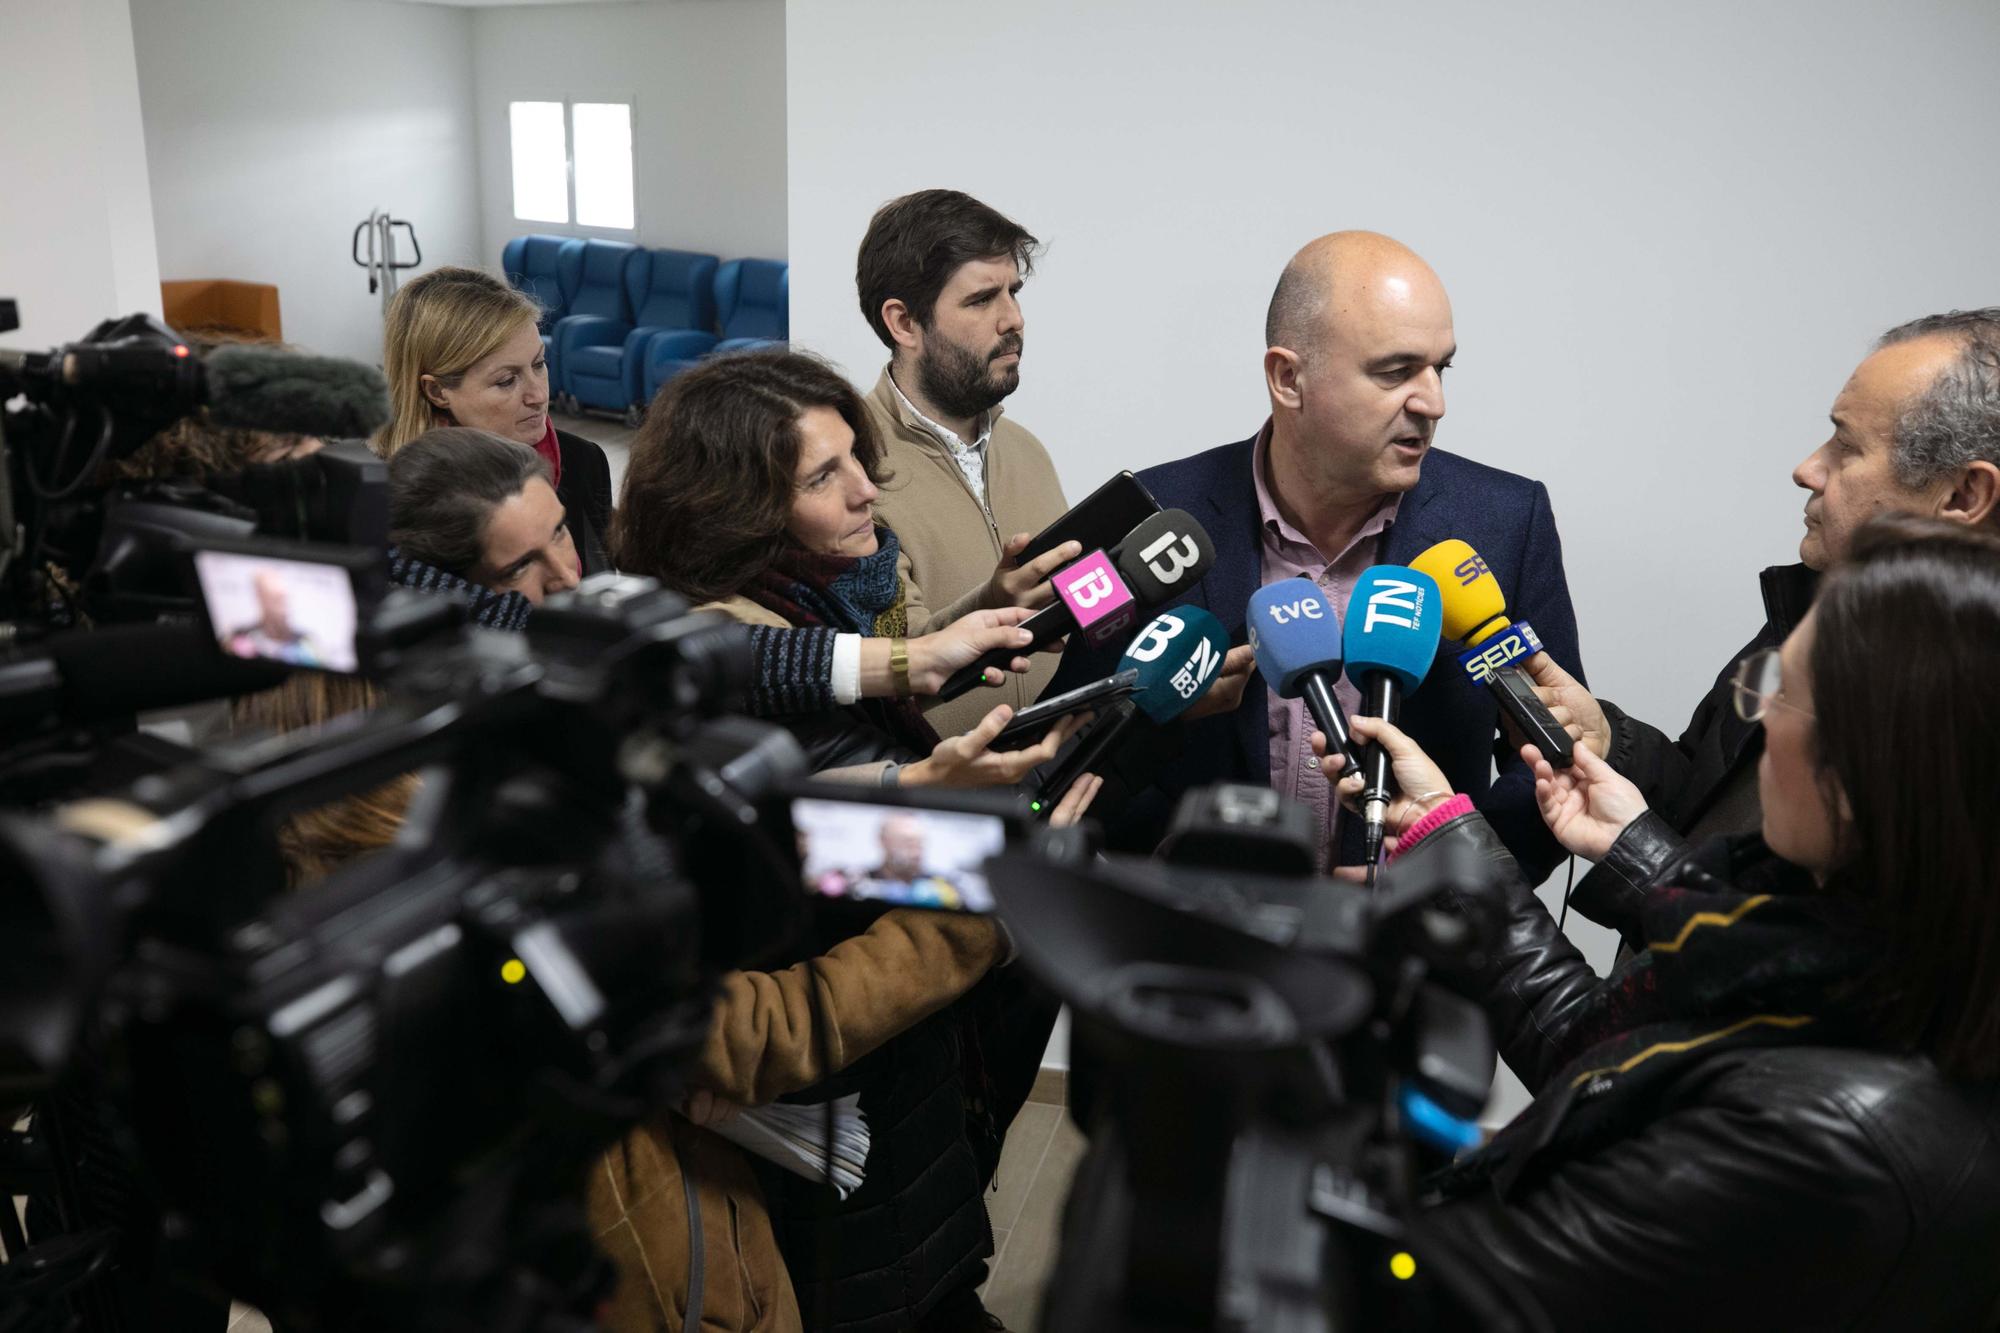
{"type": "Point", "coordinates": [670, 291]}
{"type": "Point", "coordinates": [753, 302]}
{"type": "Point", "coordinates": [540, 266]}
{"type": "Point", "coordinates": [600, 304]}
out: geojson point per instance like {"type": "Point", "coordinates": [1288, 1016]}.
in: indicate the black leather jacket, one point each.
{"type": "Point", "coordinates": [1778, 1187]}
{"type": "Point", "coordinates": [1683, 778]}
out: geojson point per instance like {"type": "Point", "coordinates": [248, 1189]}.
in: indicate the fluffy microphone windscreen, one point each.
{"type": "Point", "coordinates": [1474, 606]}
{"type": "Point", "coordinates": [287, 393]}
{"type": "Point", "coordinates": [1178, 656]}
{"type": "Point", "coordinates": [1293, 631]}
{"type": "Point", "coordinates": [1392, 625]}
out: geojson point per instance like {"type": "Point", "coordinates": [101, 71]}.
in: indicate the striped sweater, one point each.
{"type": "Point", "coordinates": [794, 667]}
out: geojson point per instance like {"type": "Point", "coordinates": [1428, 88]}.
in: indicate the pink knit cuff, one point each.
{"type": "Point", "coordinates": [1440, 814]}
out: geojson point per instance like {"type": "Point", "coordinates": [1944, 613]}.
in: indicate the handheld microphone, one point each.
{"type": "Point", "coordinates": [1296, 637]}
{"type": "Point", "coordinates": [1475, 613]}
{"type": "Point", "coordinates": [1390, 637]}
{"type": "Point", "coordinates": [1103, 593]}
{"type": "Point", "coordinates": [1178, 656]}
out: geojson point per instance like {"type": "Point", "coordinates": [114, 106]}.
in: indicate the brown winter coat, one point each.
{"type": "Point", "coordinates": [873, 986]}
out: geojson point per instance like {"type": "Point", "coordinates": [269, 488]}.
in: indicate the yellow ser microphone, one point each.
{"type": "Point", "coordinates": [1474, 607]}
{"type": "Point", "coordinates": [1474, 611]}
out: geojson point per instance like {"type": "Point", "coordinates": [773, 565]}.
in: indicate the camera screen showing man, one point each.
{"type": "Point", "coordinates": [917, 858]}
{"type": "Point", "coordinates": [279, 610]}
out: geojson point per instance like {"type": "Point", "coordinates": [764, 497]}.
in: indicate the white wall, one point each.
{"type": "Point", "coordinates": [707, 82]}
{"type": "Point", "coordinates": [76, 221]}
{"type": "Point", "coordinates": [1669, 233]}
{"type": "Point", "coordinates": [273, 129]}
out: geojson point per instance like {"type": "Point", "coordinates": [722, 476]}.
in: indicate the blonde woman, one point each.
{"type": "Point", "coordinates": [462, 348]}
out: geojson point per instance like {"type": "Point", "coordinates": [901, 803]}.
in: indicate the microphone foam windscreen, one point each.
{"type": "Point", "coordinates": [1178, 656]}
{"type": "Point", "coordinates": [1474, 606]}
{"type": "Point", "coordinates": [1392, 625]}
{"type": "Point", "coordinates": [287, 393]}
{"type": "Point", "coordinates": [1164, 556]}
{"type": "Point", "coordinates": [1293, 630]}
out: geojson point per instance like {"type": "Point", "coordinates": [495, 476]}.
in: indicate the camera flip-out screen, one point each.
{"type": "Point", "coordinates": [897, 853]}
{"type": "Point", "coordinates": [301, 612]}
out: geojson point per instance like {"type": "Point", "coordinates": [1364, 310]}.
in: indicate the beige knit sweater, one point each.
{"type": "Point", "coordinates": [950, 543]}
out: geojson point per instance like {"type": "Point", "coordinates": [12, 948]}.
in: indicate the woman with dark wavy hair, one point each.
{"type": "Point", "coordinates": [751, 490]}
{"type": "Point", "coordinates": [1785, 1111]}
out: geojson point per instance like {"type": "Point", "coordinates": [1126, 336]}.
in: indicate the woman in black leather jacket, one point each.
{"type": "Point", "coordinates": [1785, 1112]}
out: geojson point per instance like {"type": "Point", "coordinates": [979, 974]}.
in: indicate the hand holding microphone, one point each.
{"type": "Point", "coordinates": [1415, 774]}
{"type": "Point", "coordinates": [1391, 635]}
{"type": "Point", "coordinates": [1570, 703]}
{"type": "Point", "coordinates": [1296, 637]}
{"type": "Point", "coordinates": [1103, 594]}
{"type": "Point", "coordinates": [1016, 584]}
{"type": "Point", "coordinates": [1587, 805]}
{"type": "Point", "coordinates": [1475, 613]}
{"type": "Point", "coordinates": [1179, 656]}
{"type": "Point", "coordinates": [967, 760]}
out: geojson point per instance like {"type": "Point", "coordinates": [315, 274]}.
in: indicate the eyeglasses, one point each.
{"type": "Point", "coordinates": [1758, 686]}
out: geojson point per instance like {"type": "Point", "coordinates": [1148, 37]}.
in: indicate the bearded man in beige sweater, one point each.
{"type": "Point", "coordinates": [939, 275]}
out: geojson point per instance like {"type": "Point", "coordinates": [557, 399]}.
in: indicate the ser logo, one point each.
{"type": "Point", "coordinates": [1510, 646]}
{"type": "Point", "coordinates": [1470, 570]}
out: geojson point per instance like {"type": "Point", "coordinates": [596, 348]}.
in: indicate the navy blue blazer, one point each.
{"type": "Point", "coordinates": [1505, 517]}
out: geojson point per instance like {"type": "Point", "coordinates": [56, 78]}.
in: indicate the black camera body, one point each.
{"type": "Point", "coordinates": [1265, 1063]}
{"type": "Point", "coordinates": [373, 1105]}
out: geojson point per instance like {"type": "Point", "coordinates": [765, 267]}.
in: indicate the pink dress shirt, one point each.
{"type": "Point", "coordinates": [1288, 553]}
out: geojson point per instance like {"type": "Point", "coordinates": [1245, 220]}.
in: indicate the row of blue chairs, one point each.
{"type": "Point", "coordinates": [620, 320]}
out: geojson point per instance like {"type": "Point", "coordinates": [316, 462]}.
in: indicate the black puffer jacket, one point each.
{"type": "Point", "coordinates": [917, 1228]}
{"type": "Point", "coordinates": [1759, 1186]}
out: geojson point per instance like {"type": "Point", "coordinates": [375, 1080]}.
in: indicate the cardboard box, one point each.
{"type": "Point", "coordinates": [221, 305]}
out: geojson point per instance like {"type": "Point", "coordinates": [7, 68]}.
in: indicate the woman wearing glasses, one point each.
{"type": "Point", "coordinates": [1784, 1111]}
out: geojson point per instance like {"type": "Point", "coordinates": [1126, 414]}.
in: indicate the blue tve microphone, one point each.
{"type": "Point", "coordinates": [1178, 655]}
{"type": "Point", "coordinates": [1391, 636]}
{"type": "Point", "coordinates": [1296, 638]}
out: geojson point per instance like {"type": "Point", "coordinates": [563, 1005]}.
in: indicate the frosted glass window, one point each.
{"type": "Point", "coordinates": [603, 136]}
{"type": "Point", "coordinates": [541, 162]}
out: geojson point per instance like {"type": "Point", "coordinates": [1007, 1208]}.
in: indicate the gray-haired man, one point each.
{"type": "Point", "coordinates": [1916, 430]}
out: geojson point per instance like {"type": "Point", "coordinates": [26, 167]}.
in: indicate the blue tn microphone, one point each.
{"type": "Point", "coordinates": [1394, 620]}
{"type": "Point", "coordinates": [1178, 655]}
{"type": "Point", "coordinates": [1296, 637]}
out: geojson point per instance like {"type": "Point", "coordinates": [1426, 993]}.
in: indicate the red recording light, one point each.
{"type": "Point", "coordinates": [180, 349]}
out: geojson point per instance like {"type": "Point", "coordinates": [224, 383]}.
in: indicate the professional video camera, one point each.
{"type": "Point", "coordinates": [82, 543]}
{"type": "Point", "coordinates": [1265, 1060]}
{"type": "Point", "coordinates": [80, 546]}
{"type": "Point", "coordinates": [371, 1105]}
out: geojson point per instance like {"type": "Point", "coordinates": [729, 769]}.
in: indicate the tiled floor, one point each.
{"type": "Point", "coordinates": [1042, 1152]}
{"type": "Point", "coordinates": [243, 1319]}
